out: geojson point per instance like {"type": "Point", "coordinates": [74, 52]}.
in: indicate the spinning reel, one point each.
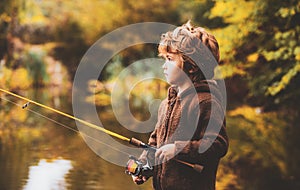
{"type": "Point", "coordinates": [137, 168]}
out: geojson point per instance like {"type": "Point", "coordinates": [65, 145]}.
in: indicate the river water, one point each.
{"type": "Point", "coordinates": [39, 154]}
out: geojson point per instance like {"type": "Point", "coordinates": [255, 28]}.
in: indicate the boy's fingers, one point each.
{"type": "Point", "coordinates": [158, 153]}
{"type": "Point", "coordinates": [144, 178]}
{"type": "Point", "coordinates": [139, 180]}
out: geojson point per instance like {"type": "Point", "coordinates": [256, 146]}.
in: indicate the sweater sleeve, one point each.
{"type": "Point", "coordinates": [210, 140]}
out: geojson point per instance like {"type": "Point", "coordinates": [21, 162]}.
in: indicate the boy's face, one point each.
{"type": "Point", "coordinates": [172, 68]}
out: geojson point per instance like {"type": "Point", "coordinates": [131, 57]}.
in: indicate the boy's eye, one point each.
{"type": "Point", "coordinates": [169, 58]}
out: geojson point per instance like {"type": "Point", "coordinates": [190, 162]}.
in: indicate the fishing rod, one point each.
{"type": "Point", "coordinates": [132, 141]}
{"type": "Point", "coordinates": [63, 125]}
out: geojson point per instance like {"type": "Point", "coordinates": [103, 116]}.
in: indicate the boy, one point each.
{"type": "Point", "coordinates": [191, 124]}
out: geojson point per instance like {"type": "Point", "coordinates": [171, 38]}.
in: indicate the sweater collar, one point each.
{"type": "Point", "coordinates": [203, 86]}
{"type": "Point", "coordinates": [172, 92]}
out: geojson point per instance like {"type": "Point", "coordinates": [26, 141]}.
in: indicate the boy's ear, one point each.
{"type": "Point", "coordinates": [181, 62]}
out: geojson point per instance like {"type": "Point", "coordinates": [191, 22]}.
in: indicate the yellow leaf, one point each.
{"type": "Point", "coordinates": [20, 79]}
{"type": "Point", "coordinates": [252, 57]}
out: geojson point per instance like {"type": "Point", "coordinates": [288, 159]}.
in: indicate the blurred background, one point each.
{"type": "Point", "coordinates": [43, 41]}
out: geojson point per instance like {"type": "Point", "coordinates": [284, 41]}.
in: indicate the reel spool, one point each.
{"type": "Point", "coordinates": [137, 168]}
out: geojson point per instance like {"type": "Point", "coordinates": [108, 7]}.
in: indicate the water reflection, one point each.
{"type": "Point", "coordinates": [48, 175]}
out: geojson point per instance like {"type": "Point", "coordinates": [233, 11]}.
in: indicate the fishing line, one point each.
{"type": "Point", "coordinates": [133, 141]}
{"type": "Point", "coordinates": [121, 137]}
{"type": "Point", "coordinates": [63, 125]}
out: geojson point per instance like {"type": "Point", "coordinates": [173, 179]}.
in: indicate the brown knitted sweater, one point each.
{"type": "Point", "coordinates": [183, 120]}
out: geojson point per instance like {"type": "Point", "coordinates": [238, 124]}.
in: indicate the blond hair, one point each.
{"type": "Point", "coordinates": [199, 49]}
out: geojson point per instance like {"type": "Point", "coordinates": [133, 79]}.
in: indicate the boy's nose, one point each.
{"type": "Point", "coordinates": [164, 66]}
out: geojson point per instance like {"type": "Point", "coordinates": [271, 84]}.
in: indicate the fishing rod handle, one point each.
{"type": "Point", "coordinates": [198, 168]}
{"type": "Point", "coordinates": [140, 144]}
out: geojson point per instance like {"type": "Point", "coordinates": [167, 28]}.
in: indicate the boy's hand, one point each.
{"type": "Point", "coordinates": [165, 153]}
{"type": "Point", "coordinates": [139, 180]}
